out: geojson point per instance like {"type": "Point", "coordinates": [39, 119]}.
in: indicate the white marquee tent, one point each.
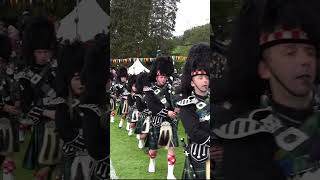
{"type": "Point", "coordinates": [91, 21]}
{"type": "Point", "coordinates": [137, 68]}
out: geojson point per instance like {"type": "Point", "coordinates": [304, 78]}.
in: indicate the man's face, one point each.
{"type": "Point", "coordinates": [161, 80]}
{"type": "Point", "coordinates": [76, 85]}
{"type": "Point", "coordinates": [294, 64]}
{"type": "Point", "coordinates": [200, 83]}
{"type": "Point", "coordinates": [42, 56]}
{"type": "Point", "coordinates": [123, 79]}
{"type": "Point", "coordinates": [134, 89]}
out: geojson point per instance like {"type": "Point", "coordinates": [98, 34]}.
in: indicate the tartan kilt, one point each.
{"type": "Point", "coordinates": [197, 171]}
{"type": "Point", "coordinates": [139, 123]}
{"type": "Point", "coordinates": [119, 108]}
{"type": "Point", "coordinates": [15, 129]}
{"type": "Point", "coordinates": [130, 111]}
{"type": "Point", "coordinates": [154, 134]}
{"type": "Point", "coordinates": [66, 166]}
{"type": "Point", "coordinates": [14, 126]}
{"type": "Point", "coordinates": [30, 159]}
{"type": "Point", "coordinates": [123, 107]}
{"type": "Point", "coordinates": [113, 102]}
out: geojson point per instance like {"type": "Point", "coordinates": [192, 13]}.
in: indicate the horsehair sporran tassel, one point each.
{"type": "Point", "coordinates": [146, 125]}
{"type": "Point", "coordinates": [125, 107]}
{"type": "Point", "coordinates": [81, 165]}
{"type": "Point", "coordinates": [165, 137]}
{"type": "Point", "coordinates": [6, 137]}
{"type": "Point", "coordinates": [50, 151]}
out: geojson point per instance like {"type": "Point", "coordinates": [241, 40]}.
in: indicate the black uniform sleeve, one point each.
{"type": "Point", "coordinates": [97, 138]}
{"type": "Point", "coordinates": [198, 132]}
{"type": "Point", "coordinates": [251, 158]}
{"type": "Point", "coordinates": [27, 95]}
{"type": "Point", "coordinates": [130, 100]}
{"type": "Point", "coordinates": [64, 124]}
{"type": "Point", "coordinates": [140, 104]}
{"type": "Point", "coordinates": [155, 106]}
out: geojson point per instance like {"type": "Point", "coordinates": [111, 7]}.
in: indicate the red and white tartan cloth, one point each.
{"type": "Point", "coordinates": [283, 33]}
{"type": "Point", "coordinates": [8, 166]}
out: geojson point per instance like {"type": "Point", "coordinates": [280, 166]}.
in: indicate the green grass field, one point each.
{"type": "Point", "coordinates": [21, 173]}
{"type": "Point", "coordinates": [130, 162]}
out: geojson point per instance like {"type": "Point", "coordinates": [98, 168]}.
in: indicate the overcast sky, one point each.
{"type": "Point", "coordinates": [191, 13]}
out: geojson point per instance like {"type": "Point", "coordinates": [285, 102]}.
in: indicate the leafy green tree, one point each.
{"type": "Point", "coordinates": [199, 34]}
{"type": "Point", "coordinates": [162, 23]}
{"type": "Point", "coordinates": [129, 27]}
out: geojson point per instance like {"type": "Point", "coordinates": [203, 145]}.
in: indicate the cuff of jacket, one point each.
{"type": "Point", "coordinates": [163, 113]}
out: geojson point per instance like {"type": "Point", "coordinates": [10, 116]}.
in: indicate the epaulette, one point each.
{"type": "Point", "coordinates": [58, 100]}
{"type": "Point", "coordinates": [54, 63]}
{"type": "Point", "coordinates": [187, 101]}
{"type": "Point", "coordinates": [75, 102]}
{"type": "Point", "coordinates": [138, 95]}
{"type": "Point", "coordinates": [76, 144]}
{"type": "Point", "coordinates": [28, 74]}
{"type": "Point", "coordinates": [145, 89]}
{"type": "Point", "coordinates": [126, 93]}
{"type": "Point", "coordinates": [22, 75]}
{"type": "Point", "coordinates": [259, 120]}
{"type": "Point", "coordinates": [92, 107]}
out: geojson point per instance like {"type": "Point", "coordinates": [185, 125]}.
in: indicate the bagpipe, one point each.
{"type": "Point", "coordinates": [188, 169]}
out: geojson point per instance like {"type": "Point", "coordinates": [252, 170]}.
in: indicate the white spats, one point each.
{"type": "Point", "coordinates": [152, 166]}
{"type": "Point", "coordinates": [21, 135]}
{"type": "Point", "coordinates": [170, 174]}
{"type": "Point", "coordinates": [8, 176]}
{"type": "Point", "coordinates": [113, 174]}
{"type": "Point", "coordinates": [141, 144]}
{"type": "Point", "coordinates": [128, 126]}
{"type": "Point", "coordinates": [130, 132]}
{"type": "Point", "coordinates": [121, 123]}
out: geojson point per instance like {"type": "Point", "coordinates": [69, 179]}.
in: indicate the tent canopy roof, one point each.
{"type": "Point", "coordinates": [91, 21]}
{"type": "Point", "coordinates": [137, 68]}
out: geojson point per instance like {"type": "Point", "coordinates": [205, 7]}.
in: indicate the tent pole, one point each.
{"type": "Point", "coordinates": [77, 20]}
